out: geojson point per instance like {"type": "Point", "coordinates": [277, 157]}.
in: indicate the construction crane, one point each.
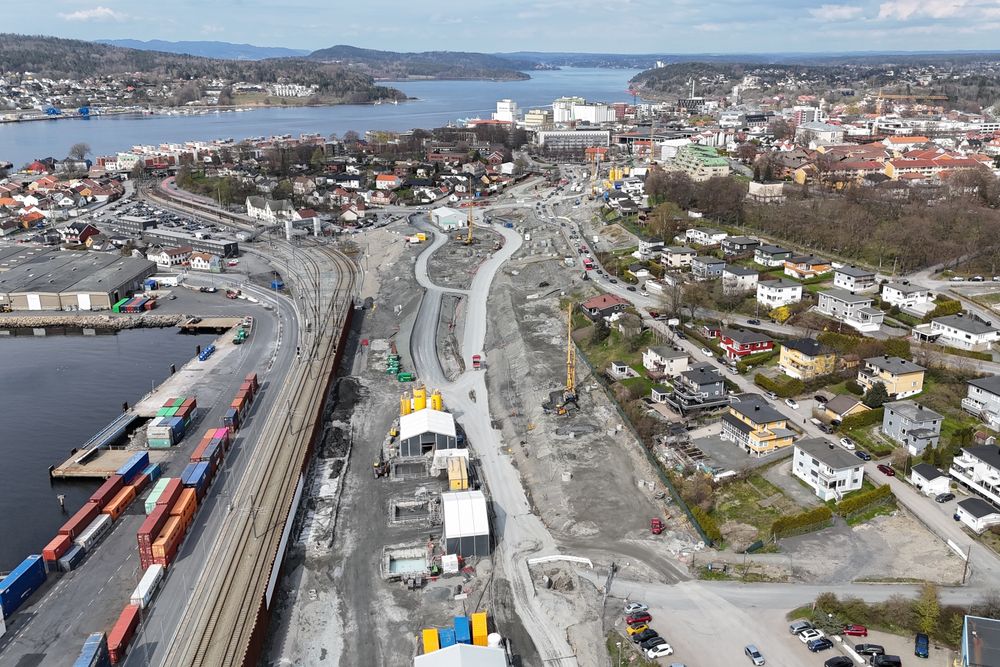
{"type": "Point", "coordinates": [569, 394]}
{"type": "Point", "coordinates": [468, 239]}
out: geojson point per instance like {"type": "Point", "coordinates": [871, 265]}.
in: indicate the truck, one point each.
{"type": "Point", "coordinates": [232, 294]}
{"type": "Point", "coordinates": [477, 362]}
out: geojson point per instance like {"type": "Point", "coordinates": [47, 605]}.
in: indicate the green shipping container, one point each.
{"type": "Point", "coordinates": [155, 494]}
{"type": "Point", "coordinates": [162, 412]}
{"type": "Point", "coordinates": [160, 444]}
{"type": "Point", "coordinates": [171, 412]}
{"type": "Point", "coordinates": [117, 308]}
{"type": "Point", "coordinates": [178, 402]}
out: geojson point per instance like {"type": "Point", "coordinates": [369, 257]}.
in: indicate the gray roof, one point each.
{"type": "Point", "coordinates": [913, 411]}
{"type": "Point", "coordinates": [969, 325]}
{"type": "Point", "coordinates": [759, 413]}
{"type": "Point", "coordinates": [894, 365]}
{"type": "Point", "coordinates": [807, 259]}
{"type": "Point", "coordinates": [703, 259]}
{"type": "Point", "coordinates": [669, 352]}
{"type": "Point", "coordinates": [739, 240]}
{"type": "Point", "coordinates": [807, 346]}
{"type": "Point", "coordinates": [905, 289]}
{"type": "Point", "coordinates": [978, 507]}
{"type": "Point", "coordinates": [680, 249]}
{"type": "Point", "coordinates": [828, 453]}
{"type": "Point", "coordinates": [845, 296]}
{"type": "Point", "coordinates": [704, 374]}
{"type": "Point", "coordinates": [927, 471]}
{"type": "Point", "coordinates": [990, 384]}
{"type": "Point", "coordinates": [780, 283]}
{"type": "Point", "coordinates": [840, 404]}
{"type": "Point", "coordinates": [855, 272]}
{"type": "Point", "coordinates": [982, 636]}
{"type": "Point", "coordinates": [745, 336]}
{"type": "Point", "coordinates": [737, 270]}
{"type": "Point", "coordinates": [988, 454]}
{"type": "Point", "coordinates": [771, 250]}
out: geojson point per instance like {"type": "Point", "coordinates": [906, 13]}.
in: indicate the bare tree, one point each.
{"type": "Point", "coordinates": [79, 150]}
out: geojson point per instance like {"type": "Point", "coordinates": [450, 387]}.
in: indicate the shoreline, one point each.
{"type": "Point", "coordinates": [109, 322]}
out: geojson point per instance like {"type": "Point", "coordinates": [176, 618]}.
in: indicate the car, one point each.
{"type": "Point", "coordinates": [754, 654]}
{"type": "Point", "coordinates": [646, 634]}
{"type": "Point", "coordinates": [825, 428]}
{"type": "Point", "coordinates": [636, 628]}
{"type": "Point", "coordinates": [638, 617]}
{"type": "Point", "coordinates": [869, 649]}
{"type": "Point", "coordinates": [792, 404]}
{"type": "Point", "coordinates": [800, 626]}
{"type": "Point", "coordinates": [820, 644]}
{"type": "Point", "coordinates": [886, 661]}
{"type": "Point", "coordinates": [820, 399]}
{"type": "Point", "coordinates": [771, 395]}
{"type": "Point", "coordinates": [681, 335]}
{"type": "Point", "coordinates": [863, 455]}
{"type": "Point", "coordinates": [957, 279]}
{"type": "Point", "coordinates": [612, 281]}
{"type": "Point", "coordinates": [921, 645]}
{"type": "Point", "coordinates": [839, 661]}
{"type": "Point", "coordinates": [659, 651]}
{"type": "Point", "coordinates": [650, 643]}
{"type": "Point", "coordinates": [655, 526]}
{"type": "Point", "coordinates": [886, 470]}
{"type": "Point", "coordinates": [643, 293]}
{"type": "Point", "coordinates": [847, 443]}
{"type": "Point", "coordinates": [944, 497]}
{"type": "Point", "coordinates": [855, 630]}
{"type": "Point", "coordinates": [707, 352]}
{"type": "Point", "coordinates": [631, 288]}
{"type": "Point", "coordinates": [753, 321]}
{"type": "Point", "coordinates": [634, 607]}
{"type": "Point", "coordinates": [807, 636]}
{"type": "Point", "coordinates": [976, 279]}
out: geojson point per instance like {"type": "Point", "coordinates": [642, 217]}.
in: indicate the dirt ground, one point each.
{"type": "Point", "coordinates": [454, 264]}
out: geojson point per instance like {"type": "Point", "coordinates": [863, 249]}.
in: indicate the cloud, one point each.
{"type": "Point", "coordinates": [935, 9]}
{"type": "Point", "coordinates": [95, 14]}
{"type": "Point", "coordinates": [210, 29]}
{"type": "Point", "coordinates": [836, 12]}
{"type": "Point", "coordinates": [709, 27]}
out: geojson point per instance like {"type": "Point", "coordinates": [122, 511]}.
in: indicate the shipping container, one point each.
{"type": "Point", "coordinates": [463, 630]}
{"type": "Point", "coordinates": [479, 629]}
{"type": "Point", "coordinates": [171, 411]}
{"type": "Point", "coordinates": [72, 559]}
{"type": "Point", "coordinates": [177, 427]}
{"type": "Point", "coordinates": [119, 503]}
{"type": "Point", "coordinates": [122, 633]}
{"type": "Point", "coordinates": [223, 434]}
{"type": "Point", "coordinates": [431, 642]}
{"type": "Point", "coordinates": [165, 546]}
{"type": "Point", "coordinates": [162, 412]}
{"type": "Point", "coordinates": [97, 529]}
{"type": "Point", "coordinates": [232, 419]}
{"type": "Point", "coordinates": [148, 585]}
{"type": "Point", "coordinates": [186, 506]}
{"type": "Point", "coordinates": [140, 483]}
{"type": "Point", "coordinates": [159, 444]}
{"type": "Point", "coordinates": [107, 490]}
{"type": "Point", "coordinates": [18, 586]}
{"type": "Point", "coordinates": [151, 527]}
{"type": "Point", "coordinates": [446, 637]}
{"type": "Point", "coordinates": [189, 401]}
{"type": "Point", "coordinates": [95, 652]}
{"type": "Point", "coordinates": [169, 403]}
{"type": "Point", "coordinates": [252, 377]}
{"type": "Point", "coordinates": [57, 548]}
{"type": "Point", "coordinates": [153, 470]}
{"type": "Point", "coordinates": [136, 464]}
{"type": "Point", "coordinates": [170, 494]}
{"type": "Point", "coordinates": [79, 521]}
{"type": "Point", "coordinates": [155, 493]}
{"type": "Point", "coordinates": [188, 473]}
{"type": "Point", "coordinates": [178, 401]}
{"type": "Point", "coordinates": [117, 308]}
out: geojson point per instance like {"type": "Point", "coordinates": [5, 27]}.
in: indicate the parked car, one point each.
{"type": "Point", "coordinates": [707, 352]}
{"type": "Point", "coordinates": [800, 626]}
{"type": "Point", "coordinates": [855, 630]}
{"type": "Point", "coordinates": [820, 644]}
{"type": "Point", "coordinates": [650, 643]}
{"type": "Point", "coordinates": [646, 634]}
{"type": "Point", "coordinates": [643, 293]}
{"type": "Point", "coordinates": [825, 428]}
{"type": "Point", "coordinates": [613, 281]}
{"type": "Point", "coordinates": [839, 661]}
{"type": "Point", "coordinates": [820, 399]}
{"type": "Point", "coordinates": [847, 443]}
{"type": "Point", "coordinates": [753, 321]}
{"type": "Point", "coordinates": [944, 497]}
{"type": "Point", "coordinates": [633, 607]}
{"type": "Point", "coordinates": [681, 335]}
{"type": "Point", "coordinates": [638, 617]}
{"type": "Point", "coordinates": [922, 646]}
{"type": "Point", "coordinates": [655, 526]}
{"type": "Point", "coordinates": [792, 404]}
{"type": "Point", "coordinates": [636, 629]}
{"type": "Point", "coordinates": [631, 288]}
{"type": "Point", "coordinates": [863, 455]}
{"type": "Point", "coordinates": [869, 649]}
{"type": "Point", "coordinates": [754, 654]}
{"type": "Point", "coordinates": [659, 651]}
{"type": "Point", "coordinates": [887, 661]}
{"type": "Point", "coordinates": [886, 470]}
{"type": "Point", "coordinates": [807, 636]}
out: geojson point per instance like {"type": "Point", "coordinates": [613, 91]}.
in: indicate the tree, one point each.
{"type": "Point", "coordinates": [876, 396]}
{"type": "Point", "coordinates": [781, 129]}
{"type": "Point", "coordinates": [317, 159]}
{"type": "Point", "coordinates": [601, 332]}
{"type": "Point", "coordinates": [747, 152]}
{"type": "Point", "coordinates": [351, 137]}
{"type": "Point", "coordinates": [927, 608]}
{"type": "Point", "coordinates": [79, 150]}
{"type": "Point", "coordinates": [283, 190]}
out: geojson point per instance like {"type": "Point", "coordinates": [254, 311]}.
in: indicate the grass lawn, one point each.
{"type": "Point", "coordinates": [622, 651]}
{"type": "Point", "coordinates": [871, 441]}
{"type": "Point", "coordinates": [614, 348]}
{"type": "Point", "coordinates": [640, 386]}
{"type": "Point", "coordinates": [878, 510]}
{"type": "Point", "coordinates": [741, 501]}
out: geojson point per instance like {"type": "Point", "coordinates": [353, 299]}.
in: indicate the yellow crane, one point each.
{"type": "Point", "coordinates": [569, 394]}
{"type": "Point", "coordinates": [597, 169]}
{"type": "Point", "coordinates": [468, 239]}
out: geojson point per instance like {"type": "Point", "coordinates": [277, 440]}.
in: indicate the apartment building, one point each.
{"type": "Point", "coordinates": [756, 427]}
{"type": "Point", "coordinates": [900, 377]}
{"type": "Point", "coordinates": [700, 163]}
{"type": "Point", "coordinates": [830, 471]}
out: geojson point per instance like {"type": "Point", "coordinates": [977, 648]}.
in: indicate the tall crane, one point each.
{"type": "Point", "coordinates": [468, 239]}
{"type": "Point", "coordinates": [569, 396]}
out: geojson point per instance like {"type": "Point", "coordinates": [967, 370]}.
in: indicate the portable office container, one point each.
{"type": "Point", "coordinates": [148, 585]}
{"type": "Point", "coordinates": [430, 637]}
{"type": "Point", "coordinates": [72, 559]}
{"type": "Point", "coordinates": [79, 521]}
{"type": "Point", "coordinates": [107, 490]}
{"type": "Point", "coordinates": [94, 652]}
{"type": "Point", "coordinates": [89, 538]}
{"type": "Point", "coordinates": [18, 586]}
{"type": "Point", "coordinates": [123, 632]}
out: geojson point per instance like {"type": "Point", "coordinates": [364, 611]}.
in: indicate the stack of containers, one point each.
{"type": "Point", "coordinates": [18, 586]}
{"type": "Point", "coordinates": [79, 521]}
{"type": "Point", "coordinates": [55, 550]}
{"type": "Point", "coordinates": [155, 494]}
{"type": "Point", "coordinates": [185, 507]}
{"type": "Point", "coordinates": [122, 633]}
{"type": "Point", "coordinates": [171, 421]}
{"type": "Point", "coordinates": [120, 502]}
{"type": "Point", "coordinates": [95, 652]}
{"type": "Point", "coordinates": [197, 476]}
{"type": "Point", "coordinates": [149, 532]}
{"type": "Point", "coordinates": [208, 351]}
{"type": "Point", "coordinates": [107, 490]}
{"type": "Point", "coordinates": [89, 538]}
{"type": "Point", "coordinates": [177, 519]}
{"type": "Point", "coordinates": [117, 308]}
{"type": "Point", "coordinates": [479, 630]}
{"type": "Point", "coordinates": [169, 540]}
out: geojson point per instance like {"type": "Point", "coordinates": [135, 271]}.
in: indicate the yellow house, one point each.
{"type": "Point", "coordinates": [901, 378]}
{"type": "Point", "coordinates": [756, 427]}
{"type": "Point", "coordinates": [805, 359]}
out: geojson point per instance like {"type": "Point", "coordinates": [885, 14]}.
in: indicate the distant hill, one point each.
{"type": "Point", "coordinates": [391, 65]}
{"type": "Point", "coordinates": [220, 50]}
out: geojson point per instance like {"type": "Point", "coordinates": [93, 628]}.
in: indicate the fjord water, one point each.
{"type": "Point", "coordinates": [56, 392]}
{"type": "Point", "coordinates": [437, 103]}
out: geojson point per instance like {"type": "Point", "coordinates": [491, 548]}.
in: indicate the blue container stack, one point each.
{"type": "Point", "coordinates": [134, 466]}
{"type": "Point", "coordinates": [95, 652]}
{"type": "Point", "coordinates": [18, 586]}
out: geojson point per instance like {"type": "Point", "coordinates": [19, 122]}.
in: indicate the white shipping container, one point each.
{"type": "Point", "coordinates": [148, 585]}
{"type": "Point", "coordinates": [94, 532]}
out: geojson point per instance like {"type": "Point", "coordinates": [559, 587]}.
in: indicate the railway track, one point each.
{"type": "Point", "coordinates": [225, 606]}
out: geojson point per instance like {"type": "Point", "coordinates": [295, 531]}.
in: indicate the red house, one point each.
{"type": "Point", "coordinates": [739, 343]}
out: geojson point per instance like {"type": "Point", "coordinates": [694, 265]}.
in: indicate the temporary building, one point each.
{"type": "Point", "coordinates": [466, 523]}
{"type": "Point", "coordinates": [448, 218]}
{"type": "Point", "coordinates": [463, 655]}
{"type": "Point", "coordinates": [426, 431]}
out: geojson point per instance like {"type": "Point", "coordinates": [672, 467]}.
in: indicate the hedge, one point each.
{"type": "Point", "coordinates": [782, 388]}
{"type": "Point", "coordinates": [804, 522]}
{"type": "Point", "coordinates": [869, 418]}
{"type": "Point", "coordinates": [756, 359]}
{"type": "Point", "coordinates": [943, 309]}
{"type": "Point", "coordinates": [862, 501]}
{"type": "Point", "coordinates": [707, 523]}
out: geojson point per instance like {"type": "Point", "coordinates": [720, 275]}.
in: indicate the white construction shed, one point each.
{"type": "Point", "coordinates": [466, 523]}
{"type": "Point", "coordinates": [448, 218]}
{"type": "Point", "coordinates": [463, 655]}
{"type": "Point", "coordinates": [426, 431]}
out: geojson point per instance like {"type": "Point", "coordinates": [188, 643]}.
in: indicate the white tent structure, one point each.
{"type": "Point", "coordinates": [448, 218]}
{"type": "Point", "coordinates": [426, 431]}
{"type": "Point", "coordinates": [466, 523]}
{"type": "Point", "coordinates": [463, 655]}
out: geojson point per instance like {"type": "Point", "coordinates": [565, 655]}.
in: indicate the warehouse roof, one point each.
{"type": "Point", "coordinates": [464, 514]}
{"type": "Point", "coordinates": [122, 271]}
{"type": "Point", "coordinates": [426, 421]}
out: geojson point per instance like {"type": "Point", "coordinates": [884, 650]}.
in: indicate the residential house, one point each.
{"type": "Point", "coordinates": [737, 279]}
{"type": "Point", "coordinates": [659, 394]}
{"type": "Point", "coordinates": [983, 400]}
{"type": "Point", "coordinates": [805, 359]}
{"type": "Point", "coordinates": [900, 377]}
{"type": "Point", "coordinates": [854, 310]}
{"type": "Point", "coordinates": [739, 343]}
{"type": "Point", "coordinates": [980, 642]}
{"type": "Point", "coordinates": [771, 255]}
{"type": "Point", "coordinates": [387, 182]}
{"type": "Point", "coordinates": [77, 232]}
{"type": "Point", "coordinates": [737, 245]}
{"type": "Point", "coordinates": [961, 331]}
{"type": "Point", "coordinates": [706, 267]}
{"type": "Point", "coordinates": [756, 427]}
{"type": "Point", "coordinates": [639, 271]}
{"type": "Point", "coordinates": [775, 293]}
{"type": "Point", "coordinates": [978, 470]}
{"type": "Point", "coordinates": [705, 236]}
{"type": "Point", "coordinates": [977, 514]}
{"type": "Point", "coordinates": [665, 361]}
{"type": "Point", "coordinates": [842, 406]}
{"type": "Point", "coordinates": [853, 279]}
{"type": "Point", "coordinates": [805, 267]}
{"type": "Point", "coordinates": [303, 186]}
{"type": "Point", "coordinates": [269, 211]}
{"type": "Point", "coordinates": [698, 388]}
{"type": "Point", "coordinates": [649, 248]}
{"type": "Point", "coordinates": [911, 298]}
{"type": "Point", "coordinates": [912, 425]}
{"type": "Point", "coordinates": [166, 258]}
{"type": "Point", "coordinates": [929, 480]}
{"type": "Point", "coordinates": [619, 370]}
{"type": "Point", "coordinates": [604, 305]}
{"type": "Point", "coordinates": [206, 261]}
{"type": "Point", "coordinates": [677, 257]}
{"type": "Point", "coordinates": [830, 471]}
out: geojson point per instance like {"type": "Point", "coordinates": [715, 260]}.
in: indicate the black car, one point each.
{"type": "Point", "coordinates": [944, 497]}
{"type": "Point", "coordinates": [826, 428]}
{"type": "Point", "coordinates": [631, 288]}
{"type": "Point", "coordinates": [869, 649]}
{"type": "Point", "coordinates": [612, 280]}
{"type": "Point", "coordinates": [753, 321]}
{"type": "Point", "coordinates": [821, 644]}
{"type": "Point", "coordinates": [839, 661]}
{"type": "Point", "coordinates": [820, 399]}
{"type": "Point", "coordinates": [645, 635]}
{"type": "Point", "coordinates": [650, 643]}
{"type": "Point", "coordinates": [864, 456]}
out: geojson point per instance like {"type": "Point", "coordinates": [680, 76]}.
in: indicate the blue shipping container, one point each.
{"type": "Point", "coordinates": [232, 418]}
{"type": "Point", "coordinates": [135, 465]}
{"type": "Point", "coordinates": [463, 630]}
{"type": "Point", "coordinates": [177, 426]}
{"type": "Point", "coordinates": [188, 474]}
{"type": "Point", "coordinates": [153, 470]}
{"type": "Point", "coordinates": [72, 558]}
{"type": "Point", "coordinates": [95, 652]}
{"type": "Point", "coordinates": [211, 452]}
{"type": "Point", "coordinates": [446, 636]}
{"type": "Point", "coordinates": [18, 586]}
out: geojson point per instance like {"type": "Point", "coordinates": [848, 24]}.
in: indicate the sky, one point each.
{"type": "Point", "coordinates": [605, 26]}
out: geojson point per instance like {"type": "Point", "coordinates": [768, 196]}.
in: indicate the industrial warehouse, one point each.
{"type": "Point", "coordinates": [67, 280]}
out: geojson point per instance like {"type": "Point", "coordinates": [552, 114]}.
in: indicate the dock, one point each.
{"type": "Point", "coordinates": [209, 324]}
{"type": "Point", "coordinates": [100, 463]}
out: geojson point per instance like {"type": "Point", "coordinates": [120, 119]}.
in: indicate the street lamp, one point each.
{"type": "Point", "coordinates": [619, 645]}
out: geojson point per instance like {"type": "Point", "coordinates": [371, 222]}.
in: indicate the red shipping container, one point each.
{"type": "Point", "coordinates": [108, 490]}
{"type": "Point", "coordinates": [139, 483]}
{"type": "Point", "coordinates": [170, 492]}
{"type": "Point", "coordinates": [169, 403]}
{"type": "Point", "coordinates": [150, 528]}
{"type": "Point", "coordinates": [123, 632]}
{"type": "Point", "coordinates": [244, 396]}
{"type": "Point", "coordinates": [252, 377]}
{"type": "Point", "coordinates": [79, 522]}
{"type": "Point", "coordinates": [57, 548]}
{"type": "Point", "coordinates": [189, 401]}
{"type": "Point", "coordinates": [247, 387]}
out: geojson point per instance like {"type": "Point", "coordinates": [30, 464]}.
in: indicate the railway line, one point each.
{"type": "Point", "coordinates": [222, 622]}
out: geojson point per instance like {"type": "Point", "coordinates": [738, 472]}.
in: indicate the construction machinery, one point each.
{"type": "Point", "coordinates": [561, 402]}
{"type": "Point", "coordinates": [466, 239]}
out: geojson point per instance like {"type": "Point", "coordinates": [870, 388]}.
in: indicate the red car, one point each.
{"type": "Point", "coordinates": [639, 617]}
{"type": "Point", "coordinates": [855, 630]}
{"type": "Point", "coordinates": [886, 470]}
{"type": "Point", "coordinates": [655, 526]}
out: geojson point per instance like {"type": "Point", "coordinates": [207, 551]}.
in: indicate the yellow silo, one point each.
{"type": "Point", "coordinates": [404, 404]}
{"type": "Point", "coordinates": [419, 398]}
{"type": "Point", "coordinates": [437, 403]}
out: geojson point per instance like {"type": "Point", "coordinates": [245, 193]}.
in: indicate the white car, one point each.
{"type": "Point", "coordinates": [807, 636]}
{"type": "Point", "coordinates": [659, 651]}
{"type": "Point", "coordinates": [847, 443]}
{"type": "Point", "coordinates": [754, 654]}
{"type": "Point", "coordinates": [707, 352]}
{"type": "Point", "coordinates": [792, 404]}
{"type": "Point", "coordinates": [634, 607]}
{"type": "Point", "coordinates": [643, 293]}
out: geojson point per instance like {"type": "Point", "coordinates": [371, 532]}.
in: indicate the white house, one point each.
{"type": "Point", "coordinates": [448, 218]}
{"type": "Point", "coordinates": [853, 279]}
{"type": "Point", "coordinates": [648, 248]}
{"type": "Point", "coordinates": [387, 182]}
{"type": "Point", "coordinates": [908, 297]}
{"type": "Point", "coordinates": [269, 211]}
{"type": "Point", "coordinates": [771, 255]}
{"type": "Point", "coordinates": [705, 236]}
{"type": "Point", "coordinates": [168, 257]}
{"type": "Point", "coordinates": [978, 470]}
{"type": "Point", "coordinates": [819, 133]}
{"type": "Point", "coordinates": [929, 480]}
{"type": "Point", "coordinates": [977, 514]}
{"type": "Point", "coordinates": [983, 400]}
{"type": "Point", "coordinates": [854, 310]}
{"type": "Point", "coordinates": [206, 261]}
{"type": "Point", "coordinates": [667, 360]}
{"type": "Point", "coordinates": [964, 332]}
{"type": "Point", "coordinates": [829, 470]}
{"type": "Point", "coordinates": [677, 257]}
{"type": "Point", "coordinates": [775, 293]}
{"type": "Point", "coordinates": [738, 279]}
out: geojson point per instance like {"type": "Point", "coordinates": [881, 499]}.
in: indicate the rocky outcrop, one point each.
{"type": "Point", "coordinates": [111, 321]}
